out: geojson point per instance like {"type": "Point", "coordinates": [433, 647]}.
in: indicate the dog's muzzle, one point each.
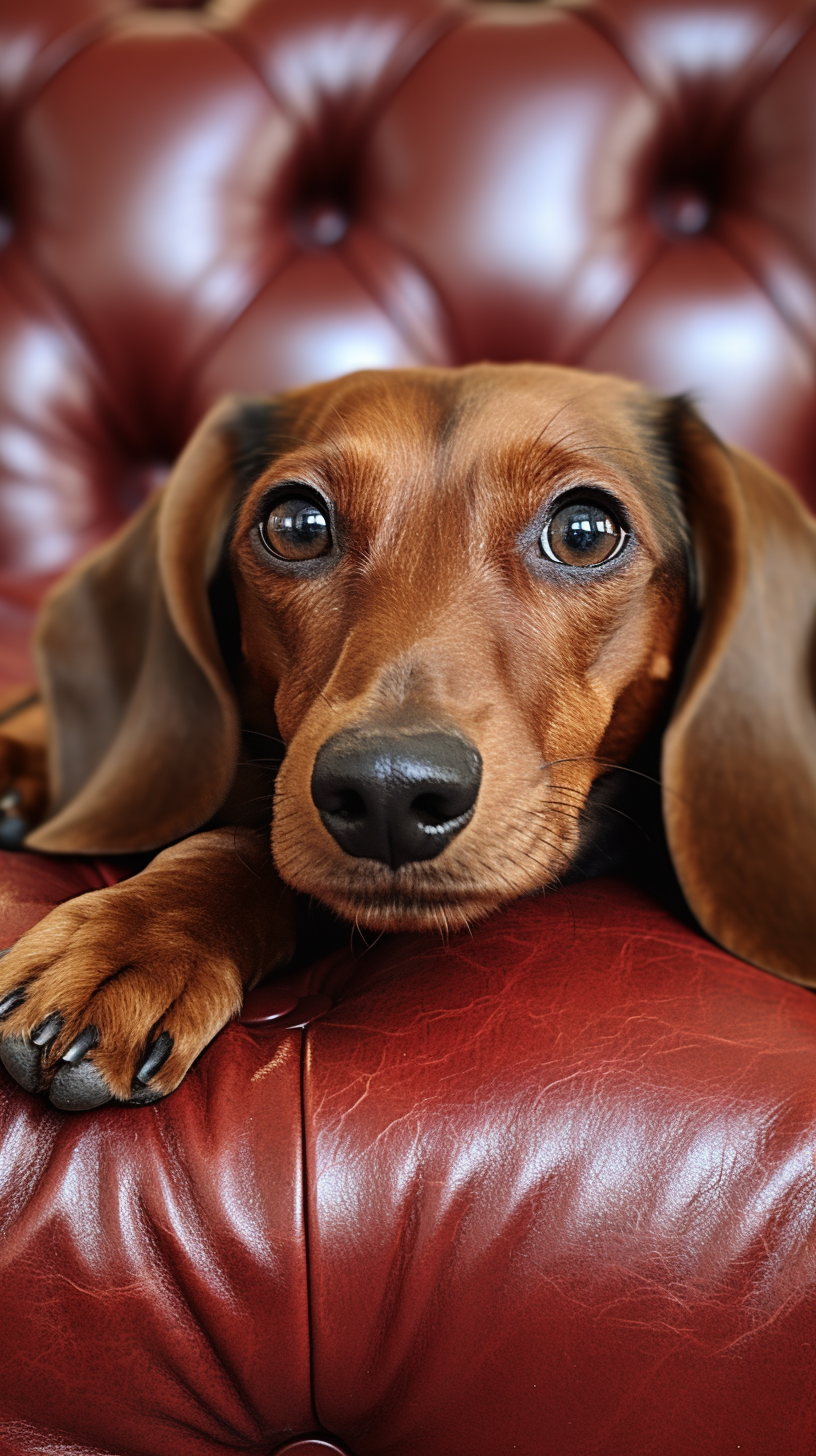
{"type": "Point", "coordinates": [396, 797]}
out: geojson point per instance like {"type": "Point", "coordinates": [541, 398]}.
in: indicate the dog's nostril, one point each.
{"type": "Point", "coordinates": [432, 810]}
{"type": "Point", "coordinates": [349, 806]}
{"type": "Point", "coordinates": [396, 797]}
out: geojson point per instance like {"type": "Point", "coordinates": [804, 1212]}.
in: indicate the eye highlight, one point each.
{"type": "Point", "coordinates": [296, 529]}
{"type": "Point", "coordinates": [582, 533]}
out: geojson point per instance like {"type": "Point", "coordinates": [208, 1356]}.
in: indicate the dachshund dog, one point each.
{"type": "Point", "coordinates": [456, 600]}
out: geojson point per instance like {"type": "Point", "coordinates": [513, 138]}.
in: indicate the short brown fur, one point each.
{"type": "Point", "coordinates": [435, 610]}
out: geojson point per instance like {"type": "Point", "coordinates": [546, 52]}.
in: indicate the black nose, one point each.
{"type": "Point", "coordinates": [395, 797]}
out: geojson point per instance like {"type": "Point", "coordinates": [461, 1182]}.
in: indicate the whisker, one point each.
{"type": "Point", "coordinates": [257, 733]}
{"type": "Point", "coordinates": [594, 808]}
{"type": "Point", "coordinates": [237, 852]}
{"type": "Point", "coordinates": [605, 762]}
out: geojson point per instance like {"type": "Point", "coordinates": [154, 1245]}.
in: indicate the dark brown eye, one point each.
{"type": "Point", "coordinates": [297, 529]}
{"type": "Point", "coordinates": [582, 533]}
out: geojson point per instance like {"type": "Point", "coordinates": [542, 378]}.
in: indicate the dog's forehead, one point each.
{"type": "Point", "coordinates": [461, 419]}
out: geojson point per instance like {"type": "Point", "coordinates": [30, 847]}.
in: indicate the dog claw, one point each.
{"type": "Point", "coordinates": [12, 999]}
{"type": "Point", "coordinates": [156, 1058]}
{"type": "Point", "coordinates": [142, 1096]}
{"type": "Point", "coordinates": [22, 1061]}
{"type": "Point", "coordinates": [81, 1045]}
{"type": "Point", "coordinates": [47, 1030]}
{"type": "Point", "coordinates": [78, 1088]}
{"type": "Point", "coordinates": [13, 831]}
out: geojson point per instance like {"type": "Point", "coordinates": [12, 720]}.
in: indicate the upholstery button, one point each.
{"type": "Point", "coordinates": [278, 1006]}
{"type": "Point", "coordinates": [308, 1009]}
{"type": "Point", "coordinates": [682, 212]}
{"type": "Point", "coordinates": [320, 225]}
{"type": "Point", "coordinates": [311, 1446]}
{"type": "Point", "coordinates": [267, 1003]}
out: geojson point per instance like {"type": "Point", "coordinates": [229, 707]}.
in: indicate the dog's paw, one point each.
{"type": "Point", "coordinates": [111, 997]}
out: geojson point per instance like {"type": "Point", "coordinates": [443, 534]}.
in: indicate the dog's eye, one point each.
{"type": "Point", "coordinates": [296, 529]}
{"type": "Point", "coordinates": [582, 533]}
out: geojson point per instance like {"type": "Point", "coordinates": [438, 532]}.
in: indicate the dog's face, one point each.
{"type": "Point", "coordinates": [461, 595]}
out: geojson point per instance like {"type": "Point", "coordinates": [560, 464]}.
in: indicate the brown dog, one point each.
{"type": "Point", "coordinates": [457, 598]}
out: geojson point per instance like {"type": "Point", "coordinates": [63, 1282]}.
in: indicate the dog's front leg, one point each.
{"type": "Point", "coordinates": [114, 994]}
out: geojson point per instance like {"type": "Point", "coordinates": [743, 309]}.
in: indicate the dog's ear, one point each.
{"type": "Point", "coordinates": [739, 756]}
{"type": "Point", "coordinates": [144, 726]}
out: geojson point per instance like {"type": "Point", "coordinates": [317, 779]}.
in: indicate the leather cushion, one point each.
{"type": "Point", "coordinates": [557, 1175]}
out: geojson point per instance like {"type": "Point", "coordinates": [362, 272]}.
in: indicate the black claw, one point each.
{"type": "Point", "coordinates": [12, 999]}
{"type": "Point", "coordinates": [13, 831]}
{"type": "Point", "coordinates": [22, 1060]}
{"type": "Point", "coordinates": [47, 1031]}
{"type": "Point", "coordinates": [81, 1045]}
{"type": "Point", "coordinates": [155, 1059]}
{"type": "Point", "coordinates": [143, 1096]}
{"type": "Point", "coordinates": [79, 1088]}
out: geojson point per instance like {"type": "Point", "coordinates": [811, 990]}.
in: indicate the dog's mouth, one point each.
{"type": "Point", "coordinates": [430, 895]}
{"type": "Point", "coordinates": [406, 912]}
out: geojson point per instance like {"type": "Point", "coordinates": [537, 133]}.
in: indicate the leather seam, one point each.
{"type": "Point", "coordinates": [320, 1431]}
{"type": "Point", "coordinates": [744, 261]}
{"type": "Point", "coordinates": [590, 342]}
{"type": "Point", "coordinates": [215, 340]}
{"type": "Point", "coordinates": [758, 77]}
{"type": "Point", "coordinates": [304, 1178]}
{"type": "Point", "coordinates": [381, 96]}
{"type": "Point", "coordinates": [49, 63]}
{"type": "Point", "coordinates": [76, 335]}
{"type": "Point", "coordinates": [358, 274]}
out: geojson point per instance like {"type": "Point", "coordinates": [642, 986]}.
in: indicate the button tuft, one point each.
{"type": "Point", "coordinates": [682, 212]}
{"type": "Point", "coordinates": [320, 225]}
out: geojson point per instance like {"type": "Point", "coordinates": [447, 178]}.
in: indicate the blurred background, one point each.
{"type": "Point", "coordinates": [254, 194]}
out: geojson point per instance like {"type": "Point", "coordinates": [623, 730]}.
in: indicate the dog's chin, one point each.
{"type": "Point", "coordinates": [441, 895]}
{"type": "Point", "coordinates": [399, 913]}
{"type": "Point", "coordinates": [391, 913]}
{"type": "Point", "coordinates": [378, 900]}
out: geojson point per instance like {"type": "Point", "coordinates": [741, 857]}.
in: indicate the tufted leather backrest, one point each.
{"type": "Point", "coordinates": [259, 193]}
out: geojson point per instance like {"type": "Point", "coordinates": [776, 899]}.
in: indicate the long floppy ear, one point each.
{"type": "Point", "coordinates": [739, 756]}
{"type": "Point", "coordinates": [144, 726]}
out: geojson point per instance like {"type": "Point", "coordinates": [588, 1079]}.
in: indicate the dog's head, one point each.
{"type": "Point", "coordinates": [462, 592]}
{"type": "Point", "coordinates": [457, 596]}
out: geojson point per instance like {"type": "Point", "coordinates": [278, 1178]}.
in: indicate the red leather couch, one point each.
{"type": "Point", "coordinates": [552, 1188]}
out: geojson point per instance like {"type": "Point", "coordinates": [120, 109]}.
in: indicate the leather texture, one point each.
{"type": "Point", "coordinates": [552, 1187]}
{"type": "Point", "coordinates": [559, 1196]}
